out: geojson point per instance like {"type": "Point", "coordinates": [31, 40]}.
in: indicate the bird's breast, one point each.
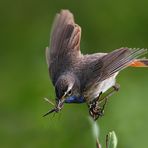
{"type": "Point", "coordinates": [94, 91]}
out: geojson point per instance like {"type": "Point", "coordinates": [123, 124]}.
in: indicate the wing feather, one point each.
{"type": "Point", "coordinates": [64, 44]}
{"type": "Point", "coordinates": [111, 63]}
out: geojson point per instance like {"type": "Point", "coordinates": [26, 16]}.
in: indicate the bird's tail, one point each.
{"type": "Point", "coordinates": [121, 58]}
{"type": "Point", "coordinates": [139, 63]}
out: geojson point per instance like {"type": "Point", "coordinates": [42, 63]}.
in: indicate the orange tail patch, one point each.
{"type": "Point", "coordinates": [139, 63]}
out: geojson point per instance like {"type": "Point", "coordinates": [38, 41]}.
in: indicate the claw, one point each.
{"type": "Point", "coordinates": [95, 110]}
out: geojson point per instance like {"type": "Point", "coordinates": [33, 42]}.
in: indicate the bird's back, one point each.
{"type": "Point", "coordinates": [83, 74]}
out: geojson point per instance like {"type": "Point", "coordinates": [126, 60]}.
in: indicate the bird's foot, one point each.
{"type": "Point", "coordinates": [95, 110]}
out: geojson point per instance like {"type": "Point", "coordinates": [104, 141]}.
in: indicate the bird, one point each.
{"type": "Point", "coordinates": [84, 78]}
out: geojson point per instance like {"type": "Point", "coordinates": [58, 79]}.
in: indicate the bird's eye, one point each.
{"type": "Point", "coordinates": [69, 93]}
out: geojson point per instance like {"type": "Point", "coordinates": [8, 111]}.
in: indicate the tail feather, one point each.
{"type": "Point", "coordinates": [139, 63]}
{"type": "Point", "coordinates": [120, 59]}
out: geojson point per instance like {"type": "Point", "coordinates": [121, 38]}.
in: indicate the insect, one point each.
{"type": "Point", "coordinates": [80, 78]}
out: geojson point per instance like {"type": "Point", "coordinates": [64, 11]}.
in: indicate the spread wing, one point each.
{"type": "Point", "coordinates": [107, 65]}
{"type": "Point", "coordinates": [64, 44]}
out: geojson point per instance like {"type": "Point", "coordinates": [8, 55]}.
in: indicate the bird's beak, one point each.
{"type": "Point", "coordinates": [58, 107]}
{"type": "Point", "coordinates": [60, 104]}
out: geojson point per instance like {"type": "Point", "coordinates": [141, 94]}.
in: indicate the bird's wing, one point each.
{"type": "Point", "coordinates": [107, 65]}
{"type": "Point", "coordinates": [64, 44]}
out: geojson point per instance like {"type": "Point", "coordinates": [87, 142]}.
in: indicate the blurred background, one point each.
{"type": "Point", "coordinates": [24, 82]}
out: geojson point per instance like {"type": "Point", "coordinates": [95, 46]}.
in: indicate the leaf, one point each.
{"type": "Point", "coordinates": [111, 140]}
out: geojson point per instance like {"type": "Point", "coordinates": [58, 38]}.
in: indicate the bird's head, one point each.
{"type": "Point", "coordinates": [65, 87]}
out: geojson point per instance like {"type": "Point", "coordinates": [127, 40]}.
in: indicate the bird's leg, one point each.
{"type": "Point", "coordinates": [109, 94]}
{"type": "Point", "coordinates": [95, 110]}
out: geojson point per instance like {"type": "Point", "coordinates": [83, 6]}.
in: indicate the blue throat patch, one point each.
{"type": "Point", "coordinates": [75, 99]}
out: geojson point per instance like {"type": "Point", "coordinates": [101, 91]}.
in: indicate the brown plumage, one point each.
{"type": "Point", "coordinates": [75, 74]}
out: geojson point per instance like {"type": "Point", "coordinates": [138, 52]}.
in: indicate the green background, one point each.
{"type": "Point", "coordinates": [24, 81]}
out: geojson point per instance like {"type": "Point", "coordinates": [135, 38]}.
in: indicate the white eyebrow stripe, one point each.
{"type": "Point", "coordinates": [69, 88]}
